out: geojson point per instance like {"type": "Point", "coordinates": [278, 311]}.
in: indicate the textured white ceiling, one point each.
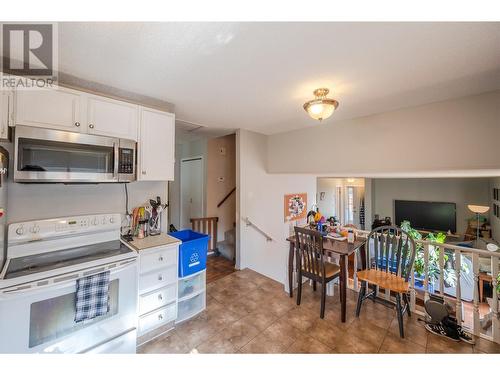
{"type": "Point", "coordinates": [258, 75]}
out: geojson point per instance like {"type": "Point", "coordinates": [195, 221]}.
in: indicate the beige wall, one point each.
{"type": "Point", "coordinates": [457, 136]}
{"type": "Point", "coordinates": [221, 166]}
{"type": "Point", "coordinates": [462, 191]}
{"type": "Point", "coordinates": [260, 197]}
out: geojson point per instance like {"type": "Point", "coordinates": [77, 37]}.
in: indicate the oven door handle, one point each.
{"type": "Point", "coordinates": [64, 279]}
{"type": "Point", "coordinates": [109, 339]}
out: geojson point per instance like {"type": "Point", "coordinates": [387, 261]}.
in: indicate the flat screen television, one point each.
{"type": "Point", "coordinates": [430, 216]}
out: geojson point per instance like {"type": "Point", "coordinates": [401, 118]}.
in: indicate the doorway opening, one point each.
{"type": "Point", "coordinates": [203, 193]}
{"type": "Point", "coordinates": [343, 199]}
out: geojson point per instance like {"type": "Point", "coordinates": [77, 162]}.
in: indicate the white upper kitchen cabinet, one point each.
{"type": "Point", "coordinates": [56, 108]}
{"type": "Point", "coordinates": [112, 118]}
{"type": "Point", "coordinates": [156, 146]}
{"type": "Point", "coordinates": [6, 112]}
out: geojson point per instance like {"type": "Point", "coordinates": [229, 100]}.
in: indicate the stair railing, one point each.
{"type": "Point", "coordinates": [249, 223]}
{"type": "Point", "coordinates": [487, 326]}
{"type": "Point", "coordinates": [226, 197]}
{"type": "Point", "coordinates": [207, 225]}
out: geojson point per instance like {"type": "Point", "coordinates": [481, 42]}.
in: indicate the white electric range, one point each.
{"type": "Point", "coordinates": [45, 258]}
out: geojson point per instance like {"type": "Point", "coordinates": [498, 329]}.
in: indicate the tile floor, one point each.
{"type": "Point", "coordinates": [249, 313]}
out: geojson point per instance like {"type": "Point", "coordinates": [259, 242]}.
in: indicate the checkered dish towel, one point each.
{"type": "Point", "coordinates": [92, 299]}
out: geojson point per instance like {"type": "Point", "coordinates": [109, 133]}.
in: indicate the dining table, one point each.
{"type": "Point", "coordinates": [331, 246]}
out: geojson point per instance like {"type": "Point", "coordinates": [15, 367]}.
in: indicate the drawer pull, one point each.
{"type": "Point", "coordinates": [160, 317]}
{"type": "Point", "coordinates": [160, 297]}
{"type": "Point", "coordinates": [160, 277]}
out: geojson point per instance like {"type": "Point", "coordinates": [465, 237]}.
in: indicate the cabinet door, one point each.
{"type": "Point", "coordinates": [6, 104]}
{"type": "Point", "coordinates": [56, 108]}
{"type": "Point", "coordinates": [156, 146]}
{"type": "Point", "coordinates": [112, 118]}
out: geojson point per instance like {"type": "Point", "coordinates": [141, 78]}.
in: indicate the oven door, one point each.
{"type": "Point", "coordinates": [41, 319]}
{"type": "Point", "coordinates": [45, 155]}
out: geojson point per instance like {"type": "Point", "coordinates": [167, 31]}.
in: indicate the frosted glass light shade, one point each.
{"type": "Point", "coordinates": [478, 209]}
{"type": "Point", "coordinates": [322, 107]}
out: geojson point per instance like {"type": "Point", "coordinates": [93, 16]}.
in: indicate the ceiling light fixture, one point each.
{"type": "Point", "coordinates": [321, 107]}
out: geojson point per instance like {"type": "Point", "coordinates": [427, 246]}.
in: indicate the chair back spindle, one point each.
{"type": "Point", "coordinates": [393, 251]}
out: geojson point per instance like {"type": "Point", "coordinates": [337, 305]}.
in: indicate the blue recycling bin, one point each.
{"type": "Point", "coordinates": [192, 251]}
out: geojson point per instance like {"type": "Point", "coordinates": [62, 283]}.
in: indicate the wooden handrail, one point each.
{"type": "Point", "coordinates": [227, 196]}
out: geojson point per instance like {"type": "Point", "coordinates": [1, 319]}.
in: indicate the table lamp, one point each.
{"type": "Point", "coordinates": [478, 210]}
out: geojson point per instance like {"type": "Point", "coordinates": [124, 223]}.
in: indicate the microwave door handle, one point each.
{"type": "Point", "coordinates": [116, 149]}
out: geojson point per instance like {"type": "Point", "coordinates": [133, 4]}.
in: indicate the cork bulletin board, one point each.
{"type": "Point", "coordinates": [295, 206]}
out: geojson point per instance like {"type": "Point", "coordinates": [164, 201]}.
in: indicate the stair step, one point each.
{"type": "Point", "coordinates": [230, 235]}
{"type": "Point", "coordinates": [227, 249]}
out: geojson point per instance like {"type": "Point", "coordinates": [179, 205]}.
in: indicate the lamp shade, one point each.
{"type": "Point", "coordinates": [478, 209]}
{"type": "Point", "coordinates": [321, 107]}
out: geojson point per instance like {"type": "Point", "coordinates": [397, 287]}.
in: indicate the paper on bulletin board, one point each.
{"type": "Point", "coordinates": [295, 206]}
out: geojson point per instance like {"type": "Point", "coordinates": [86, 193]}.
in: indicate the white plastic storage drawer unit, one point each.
{"type": "Point", "coordinates": [191, 296]}
{"type": "Point", "coordinates": [158, 288]}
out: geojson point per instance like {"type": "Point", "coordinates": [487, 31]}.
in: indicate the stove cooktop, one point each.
{"type": "Point", "coordinates": [32, 264]}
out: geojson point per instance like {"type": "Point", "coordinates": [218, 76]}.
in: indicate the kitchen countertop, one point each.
{"type": "Point", "coordinates": [153, 241]}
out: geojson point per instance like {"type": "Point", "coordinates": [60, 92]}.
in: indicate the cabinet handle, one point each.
{"type": "Point", "coordinates": [77, 124]}
{"type": "Point", "coordinates": [160, 317]}
{"type": "Point", "coordinates": [160, 297]}
{"type": "Point", "coordinates": [91, 126]}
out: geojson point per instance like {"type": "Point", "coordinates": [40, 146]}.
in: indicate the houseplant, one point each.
{"type": "Point", "coordinates": [449, 275]}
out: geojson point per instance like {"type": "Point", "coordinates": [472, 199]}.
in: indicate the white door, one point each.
{"type": "Point", "coordinates": [112, 118]}
{"type": "Point", "coordinates": [50, 108]}
{"type": "Point", "coordinates": [156, 146]}
{"type": "Point", "coordinates": [353, 197]}
{"type": "Point", "coordinates": [191, 190]}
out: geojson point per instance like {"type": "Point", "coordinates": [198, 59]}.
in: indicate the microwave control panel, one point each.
{"type": "Point", "coordinates": [126, 161]}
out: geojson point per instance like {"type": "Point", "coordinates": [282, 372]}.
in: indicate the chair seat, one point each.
{"type": "Point", "coordinates": [330, 270]}
{"type": "Point", "coordinates": [384, 280]}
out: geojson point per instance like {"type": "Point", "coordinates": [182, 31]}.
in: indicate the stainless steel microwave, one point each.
{"type": "Point", "coordinates": [46, 155]}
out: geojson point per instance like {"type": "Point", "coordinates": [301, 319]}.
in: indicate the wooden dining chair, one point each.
{"type": "Point", "coordinates": [389, 268]}
{"type": "Point", "coordinates": [311, 263]}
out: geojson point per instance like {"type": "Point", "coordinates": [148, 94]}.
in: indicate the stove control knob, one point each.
{"type": "Point", "coordinates": [35, 229]}
{"type": "Point", "coordinates": [94, 221]}
{"type": "Point", "coordinates": [20, 230]}
{"type": "Point", "coordinates": [111, 220]}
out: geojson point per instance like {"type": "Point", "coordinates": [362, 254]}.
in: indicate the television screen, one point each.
{"type": "Point", "coordinates": [431, 216]}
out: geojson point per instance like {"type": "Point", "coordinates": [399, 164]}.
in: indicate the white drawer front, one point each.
{"type": "Point", "coordinates": [158, 259]}
{"type": "Point", "coordinates": [156, 279]}
{"type": "Point", "coordinates": [156, 299]}
{"type": "Point", "coordinates": [157, 318]}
